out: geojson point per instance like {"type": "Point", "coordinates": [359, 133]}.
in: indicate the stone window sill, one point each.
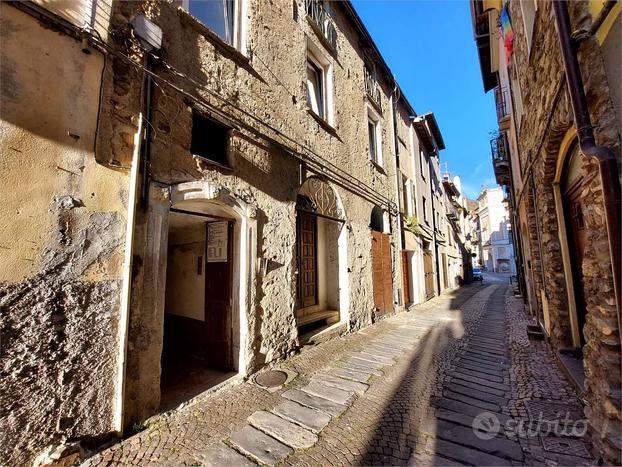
{"type": "Point", "coordinates": [323, 123]}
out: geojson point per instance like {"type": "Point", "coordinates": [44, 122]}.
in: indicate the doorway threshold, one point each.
{"type": "Point", "coordinates": [572, 365]}
{"type": "Point", "coordinates": [323, 333]}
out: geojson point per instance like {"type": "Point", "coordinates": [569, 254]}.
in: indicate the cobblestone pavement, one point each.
{"type": "Point", "coordinates": [449, 382]}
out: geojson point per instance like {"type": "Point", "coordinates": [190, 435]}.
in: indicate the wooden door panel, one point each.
{"type": "Point", "coordinates": [381, 271]}
{"type": "Point", "coordinates": [307, 259]}
{"type": "Point", "coordinates": [406, 277]}
{"type": "Point", "coordinates": [218, 326]}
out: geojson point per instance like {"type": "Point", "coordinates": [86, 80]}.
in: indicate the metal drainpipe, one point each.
{"type": "Point", "coordinates": [146, 143]}
{"type": "Point", "coordinates": [607, 163]}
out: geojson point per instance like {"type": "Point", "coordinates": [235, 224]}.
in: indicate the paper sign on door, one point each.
{"type": "Point", "coordinates": [217, 242]}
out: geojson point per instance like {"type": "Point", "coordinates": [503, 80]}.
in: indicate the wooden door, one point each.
{"type": "Point", "coordinates": [428, 269]}
{"type": "Point", "coordinates": [406, 277]}
{"type": "Point", "coordinates": [306, 239]}
{"type": "Point", "coordinates": [576, 239]}
{"type": "Point", "coordinates": [218, 288]}
{"type": "Point", "coordinates": [381, 271]}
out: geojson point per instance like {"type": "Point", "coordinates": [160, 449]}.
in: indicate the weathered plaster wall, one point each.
{"type": "Point", "coordinates": [62, 223]}
{"type": "Point", "coordinates": [548, 115]}
{"type": "Point", "coordinates": [268, 83]}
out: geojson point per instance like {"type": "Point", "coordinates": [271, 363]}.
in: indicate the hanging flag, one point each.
{"type": "Point", "coordinates": [507, 32]}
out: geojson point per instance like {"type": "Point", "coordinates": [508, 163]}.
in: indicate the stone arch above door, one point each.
{"type": "Point", "coordinates": [319, 197]}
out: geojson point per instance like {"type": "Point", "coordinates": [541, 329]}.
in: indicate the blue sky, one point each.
{"type": "Point", "coordinates": [430, 49]}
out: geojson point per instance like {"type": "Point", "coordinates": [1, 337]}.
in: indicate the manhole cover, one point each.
{"type": "Point", "coordinates": [271, 378]}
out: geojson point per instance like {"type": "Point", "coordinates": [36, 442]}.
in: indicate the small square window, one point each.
{"type": "Point", "coordinates": [210, 140]}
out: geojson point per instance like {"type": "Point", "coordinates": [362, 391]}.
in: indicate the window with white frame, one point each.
{"type": "Point", "coordinates": [223, 17]}
{"type": "Point", "coordinates": [373, 132]}
{"type": "Point", "coordinates": [529, 8]}
{"type": "Point", "coordinates": [422, 162]}
{"type": "Point", "coordinates": [319, 85]}
{"type": "Point", "coordinates": [413, 148]}
{"type": "Point", "coordinates": [409, 205]}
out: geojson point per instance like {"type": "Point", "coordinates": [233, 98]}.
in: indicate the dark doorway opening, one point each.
{"type": "Point", "coordinates": [197, 351]}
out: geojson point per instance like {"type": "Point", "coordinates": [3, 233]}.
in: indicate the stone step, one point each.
{"type": "Point", "coordinates": [260, 446]}
{"type": "Point", "coordinates": [329, 315]}
{"type": "Point", "coordinates": [283, 430]}
{"type": "Point", "coordinates": [311, 419]}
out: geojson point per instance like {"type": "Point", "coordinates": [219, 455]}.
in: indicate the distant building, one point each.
{"type": "Point", "coordinates": [497, 251]}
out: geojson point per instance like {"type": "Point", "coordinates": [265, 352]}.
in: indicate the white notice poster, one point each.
{"type": "Point", "coordinates": [217, 242]}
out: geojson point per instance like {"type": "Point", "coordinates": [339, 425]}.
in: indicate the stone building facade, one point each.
{"type": "Point", "coordinates": [568, 240]}
{"type": "Point", "coordinates": [497, 249]}
{"type": "Point", "coordinates": [190, 187]}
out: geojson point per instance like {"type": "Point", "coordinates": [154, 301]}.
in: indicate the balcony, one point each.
{"type": "Point", "coordinates": [503, 108]}
{"type": "Point", "coordinates": [501, 159]}
{"type": "Point", "coordinates": [371, 87]}
{"type": "Point", "coordinates": [321, 22]}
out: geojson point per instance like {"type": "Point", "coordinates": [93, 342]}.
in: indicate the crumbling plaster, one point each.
{"type": "Point", "coordinates": [62, 224]}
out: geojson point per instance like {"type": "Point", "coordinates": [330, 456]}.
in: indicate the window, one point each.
{"type": "Point", "coordinates": [319, 85]}
{"type": "Point", "coordinates": [422, 162]}
{"type": "Point", "coordinates": [223, 17]}
{"type": "Point", "coordinates": [529, 7]}
{"type": "Point", "coordinates": [210, 140]}
{"type": "Point", "coordinates": [409, 208]}
{"type": "Point", "coordinates": [315, 89]}
{"type": "Point", "coordinates": [425, 210]}
{"type": "Point", "coordinates": [373, 133]}
{"type": "Point", "coordinates": [413, 149]}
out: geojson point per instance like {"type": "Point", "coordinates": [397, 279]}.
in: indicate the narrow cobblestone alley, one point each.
{"type": "Point", "coordinates": [450, 382]}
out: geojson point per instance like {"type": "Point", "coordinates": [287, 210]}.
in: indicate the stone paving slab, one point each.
{"type": "Point", "coordinates": [478, 387]}
{"type": "Point", "coordinates": [498, 446]}
{"type": "Point", "coordinates": [351, 365]}
{"type": "Point", "coordinates": [340, 383]}
{"type": "Point", "coordinates": [332, 408]}
{"type": "Point", "coordinates": [311, 419]}
{"type": "Point", "coordinates": [374, 358]}
{"type": "Point", "coordinates": [468, 456]}
{"type": "Point", "coordinates": [488, 370]}
{"type": "Point", "coordinates": [285, 431]}
{"type": "Point", "coordinates": [467, 409]}
{"type": "Point", "coordinates": [219, 455]}
{"type": "Point", "coordinates": [478, 374]}
{"type": "Point", "coordinates": [361, 361]}
{"type": "Point", "coordinates": [483, 405]}
{"type": "Point", "coordinates": [476, 394]}
{"type": "Point", "coordinates": [340, 396]}
{"type": "Point", "coordinates": [358, 376]}
{"type": "Point", "coordinates": [260, 446]}
{"type": "Point", "coordinates": [481, 381]}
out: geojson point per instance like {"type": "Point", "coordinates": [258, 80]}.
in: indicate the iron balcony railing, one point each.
{"type": "Point", "coordinates": [501, 158]}
{"type": "Point", "coordinates": [321, 19]}
{"type": "Point", "coordinates": [371, 86]}
{"type": "Point", "coordinates": [501, 100]}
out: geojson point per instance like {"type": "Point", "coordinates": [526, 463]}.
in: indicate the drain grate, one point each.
{"type": "Point", "coordinates": [271, 379]}
{"type": "Point", "coordinates": [553, 411]}
{"type": "Point", "coordinates": [567, 446]}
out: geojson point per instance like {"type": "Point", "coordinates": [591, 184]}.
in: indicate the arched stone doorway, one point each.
{"type": "Point", "coordinates": [572, 233]}
{"type": "Point", "coordinates": [321, 259]}
{"type": "Point", "coordinates": [208, 263]}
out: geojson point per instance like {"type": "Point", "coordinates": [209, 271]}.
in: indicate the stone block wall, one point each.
{"type": "Point", "coordinates": [547, 118]}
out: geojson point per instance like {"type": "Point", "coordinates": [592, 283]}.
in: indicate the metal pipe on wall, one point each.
{"type": "Point", "coordinates": [607, 162]}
